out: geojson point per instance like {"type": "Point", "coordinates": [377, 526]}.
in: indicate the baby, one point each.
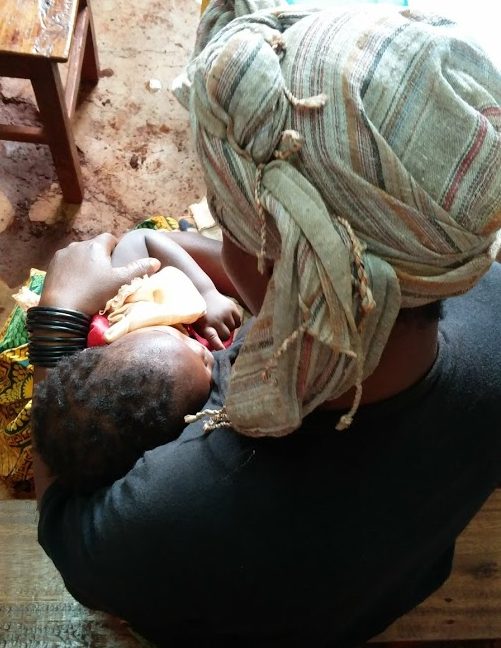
{"type": "Point", "coordinates": [148, 375]}
{"type": "Point", "coordinates": [100, 410]}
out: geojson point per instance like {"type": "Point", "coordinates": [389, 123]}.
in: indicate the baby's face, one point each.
{"type": "Point", "coordinates": [190, 362]}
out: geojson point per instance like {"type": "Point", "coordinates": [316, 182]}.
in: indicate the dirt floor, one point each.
{"type": "Point", "coordinates": [134, 144]}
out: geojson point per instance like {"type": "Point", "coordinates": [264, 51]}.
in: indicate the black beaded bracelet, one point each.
{"type": "Point", "coordinates": [50, 312]}
{"type": "Point", "coordinates": [82, 330]}
{"type": "Point", "coordinates": [36, 339]}
{"type": "Point", "coordinates": [41, 351]}
{"type": "Point", "coordinates": [45, 350]}
{"type": "Point", "coordinates": [64, 317]}
{"type": "Point", "coordinates": [48, 356]}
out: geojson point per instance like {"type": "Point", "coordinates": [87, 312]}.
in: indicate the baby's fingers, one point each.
{"type": "Point", "coordinates": [232, 321]}
{"type": "Point", "coordinates": [237, 319]}
{"type": "Point", "coordinates": [212, 337]}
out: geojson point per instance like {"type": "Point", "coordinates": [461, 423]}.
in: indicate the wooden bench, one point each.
{"type": "Point", "coordinates": [36, 610]}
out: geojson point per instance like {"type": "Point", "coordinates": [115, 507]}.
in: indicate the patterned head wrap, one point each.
{"type": "Point", "coordinates": [359, 149]}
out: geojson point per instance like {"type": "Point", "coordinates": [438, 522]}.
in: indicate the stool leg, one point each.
{"type": "Point", "coordinates": [51, 104]}
{"type": "Point", "coordinates": [90, 65]}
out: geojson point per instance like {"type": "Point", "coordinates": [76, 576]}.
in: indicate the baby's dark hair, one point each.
{"type": "Point", "coordinates": [97, 412]}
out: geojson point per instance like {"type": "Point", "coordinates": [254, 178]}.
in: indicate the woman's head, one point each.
{"type": "Point", "coordinates": [97, 412]}
{"type": "Point", "coordinates": [358, 150]}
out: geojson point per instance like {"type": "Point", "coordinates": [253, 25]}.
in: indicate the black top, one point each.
{"type": "Point", "coordinates": [320, 538]}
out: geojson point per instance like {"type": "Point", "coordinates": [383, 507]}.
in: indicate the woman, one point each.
{"type": "Point", "coordinates": [352, 160]}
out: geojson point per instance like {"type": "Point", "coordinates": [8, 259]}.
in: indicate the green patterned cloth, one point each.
{"type": "Point", "coordinates": [16, 388]}
{"type": "Point", "coordinates": [358, 148]}
{"type": "Point", "coordinates": [159, 222]}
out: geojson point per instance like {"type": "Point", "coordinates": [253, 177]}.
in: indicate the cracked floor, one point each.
{"type": "Point", "coordinates": [134, 145]}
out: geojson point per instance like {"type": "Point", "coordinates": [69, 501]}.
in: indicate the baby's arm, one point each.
{"type": "Point", "coordinates": [197, 256]}
{"type": "Point", "coordinates": [200, 259]}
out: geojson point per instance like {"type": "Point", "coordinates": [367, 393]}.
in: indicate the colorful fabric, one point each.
{"type": "Point", "coordinates": [99, 324]}
{"type": "Point", "coordinates": [16, 382]}
{"type": "Point", "coordinates": [16, 387]}
{"type": "Point", "coordinates": [359, 149]}
{"type": "Point", "coordinates": [159, 222]}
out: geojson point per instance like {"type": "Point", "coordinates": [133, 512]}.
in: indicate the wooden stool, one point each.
{"type": "Point", "coordinates": [34, 37]}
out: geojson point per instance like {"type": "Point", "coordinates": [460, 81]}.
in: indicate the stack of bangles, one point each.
{"type": "Point", "coordinates": [55, 333]}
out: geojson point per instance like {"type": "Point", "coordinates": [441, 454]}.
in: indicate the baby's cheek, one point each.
{"type": "Point", "coordinates": [200, 387]}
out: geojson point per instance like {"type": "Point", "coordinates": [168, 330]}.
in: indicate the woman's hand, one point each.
{"type": "Point", "coordinates": [81, 276]}
{"type": "Point", "coordinates": [221, 319]}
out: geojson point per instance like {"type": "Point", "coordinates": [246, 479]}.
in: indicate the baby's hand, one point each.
{"type": "Point", "coordinates": [221, 319]}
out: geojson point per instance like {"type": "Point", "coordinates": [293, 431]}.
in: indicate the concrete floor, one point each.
{"type": "Point", "coordinates": [134, 145]}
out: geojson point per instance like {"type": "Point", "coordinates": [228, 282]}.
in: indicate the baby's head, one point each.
{"type": "Point", "coordinates": [97, 412]}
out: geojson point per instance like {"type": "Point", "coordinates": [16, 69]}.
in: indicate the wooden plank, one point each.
{"type": "Point", "coordinates": [468, 606]}
{"type": "Point", "coordinates": [75, 61]}
{"type": "Point", "coordinates": [37, 27]}
{"type": "Point", "coordinates": [13, 133]}
{"type": "Point", "coordinates": [36, 610]}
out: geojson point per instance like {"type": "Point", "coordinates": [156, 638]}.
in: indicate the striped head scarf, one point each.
{"type": "Point", "coordinates": [359, 149]}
